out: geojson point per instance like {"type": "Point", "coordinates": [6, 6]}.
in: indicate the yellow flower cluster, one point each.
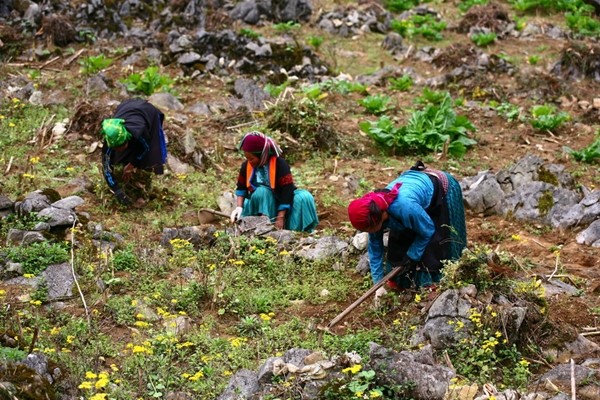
{"type": "Point", "coordinates": [353, 369]}
{"type": "Point", "coordinates": [237, 341]}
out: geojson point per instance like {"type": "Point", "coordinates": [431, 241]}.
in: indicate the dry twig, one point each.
{"type": "Point", "coordinates": [87, 314]}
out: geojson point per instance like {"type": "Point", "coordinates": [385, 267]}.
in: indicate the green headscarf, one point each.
{"type": "Point", "coordinates": [114, 131]}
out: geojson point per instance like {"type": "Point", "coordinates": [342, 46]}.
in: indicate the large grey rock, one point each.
{"type": "Point", "coordinates": [243, 385]}
{"type": "Point", "coordinates": [392, 368]}
{"type": "Point", "coordinates": [321, 248]}
{"type": "Point", "coordinates": [58, 216]}
{"type": "Point", "coordinates": [591, 235]}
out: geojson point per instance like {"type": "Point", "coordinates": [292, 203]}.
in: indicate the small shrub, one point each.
{"type": "Point", "coordinates": [465, 5]}
{"type": "Point", "coordinates": [12, 354]}
{"type": "Point", "coordinates": [315, 42]}
{"type": "Point", "coordinates": [403, 84]}
{"type": "Point", "coordinates": [93, 64]}
{"type": "Point", "coordinates": [125, 260]}
{"type": "Point", "coordinates": [376, 104]}
{"type": "Point", "coordinates": [148, 82]}
{"type": "Point", "coordinates": [249, 33]}
{"type": "Point", "coordinates": [533, 60]}
{"type": "Point", "coordinates": [287, 27]}
{"type": "Point", "coordinates": [400, 5]}
{"type": "Point", "coordinates": [419, 25]}
{"type": "Point", "coordinates": [546, 118]}
{"type": "Point", "coordinates": [484, 38]}
{"type": "Point", "coordinates": [589, 154]}
{"type": "Point", "coordinates": [36, 257]}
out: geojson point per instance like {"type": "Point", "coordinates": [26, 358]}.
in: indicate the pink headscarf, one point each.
{"type": "Point", "coordinates": [358, 210]}
{"type": "Point", "coordinates": [258, 143]}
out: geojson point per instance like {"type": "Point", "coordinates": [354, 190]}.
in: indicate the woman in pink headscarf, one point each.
{"type": "Point", "coordinates": [424, 213]}
{"type": "Point", "coordinates": [265, 187]}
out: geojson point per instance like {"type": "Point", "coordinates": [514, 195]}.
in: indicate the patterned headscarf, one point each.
{"type": "Point", "coordinates": [359, 210]}
{"type": "Point", "coordinates": [261, 145]}
{"type": "Point", "coordinates": [114, 131]}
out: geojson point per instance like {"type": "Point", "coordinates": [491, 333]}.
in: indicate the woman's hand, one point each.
{"type": "Point", "coordinates": [280, 220]}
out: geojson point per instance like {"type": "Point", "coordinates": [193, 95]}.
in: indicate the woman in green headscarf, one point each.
{"type": "Point", "coordinates": [134, 139]}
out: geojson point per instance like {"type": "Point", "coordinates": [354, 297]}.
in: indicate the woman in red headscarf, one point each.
{"type": "Point", "coordinates": [265, 187]}
{"type": "Point", "coordinates": [424, 213]}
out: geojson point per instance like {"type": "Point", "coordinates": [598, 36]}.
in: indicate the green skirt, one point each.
{"type": "Point", "coordinates": [301, 217]}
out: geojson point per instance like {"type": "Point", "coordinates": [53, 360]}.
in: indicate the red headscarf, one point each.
{"type": "Point", "coordinates": [258, 143]}
{"type": "Point", "coordinates": [358, 210]}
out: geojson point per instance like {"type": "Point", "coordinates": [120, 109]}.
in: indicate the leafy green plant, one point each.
{"type": "Point", "coordinates": [465, 5]}
{"type": "Point", "coordinates": [429, 96]}
{"type": "Point", "coordinates": [588, 154]}
{"type": "Point", "coordinates": [343, 86]}
{"type": "Point", "coordinates": [148, 82]}
{"type": "Point", "coordinates": [249, 325]}
{"type": "Point", "coordinates": [403, 84]}
{"type": "Point", "coordinates": [484, 354]}
{"type": "Point", "coordinates": [125, 260]}
{"type": "Point", "coordinates": [400, 5]}
{"type": "Point", "coordinates": [362, 385]}
{"type": "Point", "coordinates": [287, 27]}
{"type": "Point", "coordinates": [36, 257]}
{"type": "Point", "coordinates": [249, 33]}
{"type": "Point", "coordinates": [423, 25]}
{"type": "Point", "coordinates": [376, 104]}
{"type": "Point", "coordinates": [429, 129]}
{"type": "Point", "coordinates": [93, 64]}
{"type": "Point", "coordinates": [484, 38]}
{"type": "Point", "coordinates": [509, 111]}
{"type": "Point", "coordinates": [583, 24]}
{"type": "Point", "coordinates": [546, 118]}
{"type": "Point", "coordinates": [315, 41]}
{"type": "Point", "coordinates": [533, 60]}
{"type": "Point", "coordinates": [12, 354]}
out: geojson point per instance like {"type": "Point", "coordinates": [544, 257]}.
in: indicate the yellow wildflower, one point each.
{"type": "Point", "coordinates": [265, 317]}
{"type": "Point", "coordinates": [516, 238]}
{"type": "Point", "coordinates": [114, 368]}
{"type": "Point", "coordinates": [101, 383]}
{"type": "Point", "coordinates": [85, 385]}
{"type": "Point", "coordinates": [353, 369]}
{"type": "Point", "coordinates": [417, 298]}
{"type": "Point", "coordinates": [28, 276]}
{"type": "Point", "coordinates": [90, 375]}
{"type": "Point", "coordinates": [11, 124]}
{"type": "Point", "coordinates": [98, 396]}
{"type": "Point", "coordinates": [70, 339]}
{"type": "Point", "coordinates": [35, 302]}
{"type": "Point", "coordinates": [196, 376]}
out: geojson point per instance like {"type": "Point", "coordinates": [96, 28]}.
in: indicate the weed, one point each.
{"type": "Point", "coordinates": [125, 260]}
{"type": "Point", "coordinates": [484, 38]}
{"type": "Point", "coordinates": [588, 154]}
{"type": "Point", "coordinates": [93, 64]}
{"type": "Point", "coordinates": [465, 5]}
{"type": "Point", "coordinates": [12, 354]}
{"type": "Point", "coordinates": [148, 82]}
{"type": "Point", "coordinates": [249, 326]}
{"type": "Point", "coordinates": [400, 5]}
{"type": "Point", "coordinates": [585, 25]}
{"type": "Point", "coordinates": [403, 84]}
{"type": "Point", "coordinates": [419, 25]}
{"type": "Point", "coordinates": [287, 27]}
{"type": "Point", "coordinates": [376, 104]}
{"type": "Point", "coordinates": [315, 42]}
{"type": "Point", "coordinates": [533, 60]}
{"type": "Point", "coordinates": [546, 118]}
{"type": "Point", "coordinates": [359, 384]}
{"type": "Point", "coordinates": [36, 257]}
{"type": "Point", "coordinates": [484, 353]}
{"type": "Point", "coordinates": [508, 111]}
{"type": "Point", "coordinates": [249, 33]}
{"type": "Point", "coordinates": [427, 130]}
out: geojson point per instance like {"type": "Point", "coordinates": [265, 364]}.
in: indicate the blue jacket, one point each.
{"type": "Point", "coordinates": [407, 211]}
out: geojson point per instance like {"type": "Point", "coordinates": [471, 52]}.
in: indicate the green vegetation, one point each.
{"type": "Point", "coordinates": [546, 118]}
{"type": "Point", "coordinates": [589, 154]}
{"type": "Point", "coordinates": [250, 33]}
{"type": "Point", "coordinates": [376, 104]}
{"type": "Point", "coordinates": [428, 130]}
{"type": "Point", "coordinates": [403, 84]}
{"type": "Point", "coordinates": [315, 42]}
{"type": "Point", "coordinates": [94, 64]}
{"type": "Point", "coordinates": [465, 5]}
{"type": "Point", "coordinates": [148, 82]}
{"type": "Point", "coordinates": [483, 39]}
{"type": "Point", "coordinates": [506, 110]}
{"type": "Point", "coordinates": [420, 25]}
{"type": "Point", "coordinates": [36, 257]}
{"type": "Point", "coordinates": [400, 5]}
